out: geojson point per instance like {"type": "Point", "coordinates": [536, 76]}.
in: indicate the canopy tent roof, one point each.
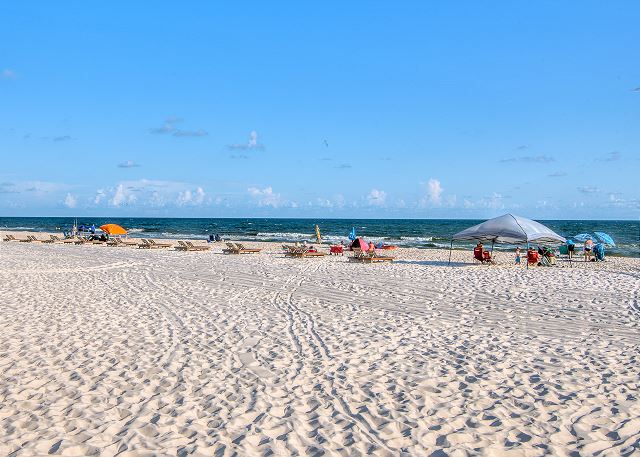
{"type": "Point", "coordinates": [510, 229]}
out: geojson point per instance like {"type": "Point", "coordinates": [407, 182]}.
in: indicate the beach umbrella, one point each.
{"type": "Point", "coordinates": [352, 235]}
{"type": "Point", "coordinates": [583, 237]}
{"type": "Point", "coordinates": [605, 238]}
{"type": "Point", "coordinates": [113, 229]}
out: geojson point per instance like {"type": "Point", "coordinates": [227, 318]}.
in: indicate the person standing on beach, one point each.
{"type": "Point", "coordinates": [588, 246]}
{"type": "Point", "coordinates": [518, 255]}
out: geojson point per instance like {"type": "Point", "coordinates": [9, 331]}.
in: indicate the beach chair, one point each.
{"type": "Point", "coordinates": [145, 244]}
{"type": "Point", "coordinates": [193, 247]}
{"type": "Point", "coordinates": [368, 256]}
{"type": "Point", "coordinates": [244, 250]}
{"type": "Point", "coordinates": [159, 245]}
{"type": "Point", "coordinates": [119, 242]}
{"type": "Point", "coordinates": [532, 258]}
{"type": "Point", "coordinates": [30, 239]}
{"type": "Point", "coordinates": [189, 246]}
{"type": "Point", "coordinates": [302, 252]}
{"type": "Point", "coordinates": [239, 248]}
{"type": "Point", "coordinates": [52, 239]}
{"type": "Point", "coordinates": [9, 238]}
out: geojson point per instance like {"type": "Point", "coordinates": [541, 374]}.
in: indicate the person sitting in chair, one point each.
{"type": "Point", "coordinates": [480, 254]}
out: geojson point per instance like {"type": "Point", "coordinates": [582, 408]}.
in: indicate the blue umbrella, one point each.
{"type": "Point", "coordinates": [352, 235]}
{"type": "Point", "coordinates": [583, 237]}
{"type": "Point", "coordinates": [605, 238]}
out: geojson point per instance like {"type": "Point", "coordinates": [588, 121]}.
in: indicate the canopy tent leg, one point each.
{"type": "Point", "coordinates": [527, 255]}
{"type": "Point", "coordinates": [450, 248]}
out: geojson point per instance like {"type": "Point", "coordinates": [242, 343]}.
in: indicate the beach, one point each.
{"type": "Point", "coordinates": [125, 351]}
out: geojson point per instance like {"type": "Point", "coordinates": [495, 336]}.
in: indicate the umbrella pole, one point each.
{"type": "Point", "coordinates": [450, 248]}
{"type": "Point", "coordinates": [527, 255]}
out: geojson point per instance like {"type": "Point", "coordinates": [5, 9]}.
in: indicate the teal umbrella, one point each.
{"type": "Point", "coordinates": [583, 237]}
{"type": "Point", "coordinates": [605, 238]}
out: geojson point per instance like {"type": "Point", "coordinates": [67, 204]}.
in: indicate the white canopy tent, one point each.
{"type": "Point", "coordinates": [509, 229]}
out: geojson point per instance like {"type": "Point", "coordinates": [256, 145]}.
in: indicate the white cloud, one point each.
{"type": "Point", "coordinates": [434, 194]}
{"type": "Point", "coordinates": [70, 201]}
{"type": "Point", "coordinates": [152, 193]}
{"type": "Point", "coordinates": [100, 195]}
{"type": "Point", "coordinates": [337, 201]}
{"type": "Point", "coordinates": [169, 128]}
{"type": "Point", "coordinates": [377, 197]}
{"type": "Point", "coordinates": [265, 197]}
{"type": "Point", "coordinates": [251, 144]}
{"type": "Point", "coordinates": [122, 196]}
{"type": "Point", "coordinates": [128, 164]}
{"type": "Point", "coordinates": [588, 189]}
{"type": "Point", "coordinates": [434, 191]}
{"type": "Point", "coordinates": [188, 197]}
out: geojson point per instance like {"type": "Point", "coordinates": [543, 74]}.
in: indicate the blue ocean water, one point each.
{"type": "Point", "coordinates": [420, 233]}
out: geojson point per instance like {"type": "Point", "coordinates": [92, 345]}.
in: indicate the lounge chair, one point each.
{"type": "Point", "coordinates": [146, 244]}
{"type": "Point", "coordinates": [302, 251]}
{"type": "Point", "coordinates": [81, 240]}
{"type": "Point", "coordinates": [239, 248]}
{"type": "Point", "coordinates": [159, 245]}
{"type": "Point", "coordinates": [9, 238]}
{"type": "Point", "coordinates": [368, 256]}
{"type": "Point", "coordinates": [52, 239]}
{"type": "Point", "coordinates": [189, 246]}
{"type": "Point", "coordinates": [30, 239]}
{"type": "Point", "coordinates": [119, 242]}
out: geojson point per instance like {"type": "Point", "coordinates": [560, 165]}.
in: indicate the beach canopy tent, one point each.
{"type": "Point", "coordinates": [360, 243]}
{"type": "Point", "coordinates": [113, 229]}
{"type": "Point", "coordinates": [509, 229]}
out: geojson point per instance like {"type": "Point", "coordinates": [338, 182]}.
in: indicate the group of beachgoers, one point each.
{"type": "Point", "coordinates": [544, 256]}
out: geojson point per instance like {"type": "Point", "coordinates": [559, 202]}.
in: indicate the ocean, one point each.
{"type": "Point", "coordinates": [418, 233]}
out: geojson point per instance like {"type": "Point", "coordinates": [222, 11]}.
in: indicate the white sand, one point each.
{"type": "Point", "coordinates": [135, 352]}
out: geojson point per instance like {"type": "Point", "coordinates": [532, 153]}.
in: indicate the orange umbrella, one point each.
{"type": "Point", "coordinates": [113, 229]}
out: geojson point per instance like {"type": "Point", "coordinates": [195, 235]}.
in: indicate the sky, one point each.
{"type": "Point", "coordinates": [368, 109]}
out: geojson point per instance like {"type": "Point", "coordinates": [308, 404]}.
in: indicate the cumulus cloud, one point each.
{"type": "Point", "coordinates": [128, 164]}
{"type": "Point", "coordinates": [265, 197]}
{"type": "Point", "coordinates": [194, 198]}
{"type": "Point", "coordinates": [434, 191]}
{"type": "Point", "coordinates": [530, 159]}
{"type": "Point", "coordinates": [377, 197]}
{"type": "Point", "coordinates": [8, 74]}
{"type": "Point", "coordinates": [70, 201]}
{"type": "Point", "coordinates": [588, 189]}
{"type": "Point", "coordinates": [169, 128]}
{"type": "Point", "coordinates": [252, 144]}
{"type": "Point", "coordinates": [336, 202]}
{"type": "Point", "coordinates": [495, 201]}
{"type": "Point", "coordinates": [151, 193]}
{"type": "Point", "coordinates": [122, 196]}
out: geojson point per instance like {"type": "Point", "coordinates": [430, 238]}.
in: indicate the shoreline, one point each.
{"type": "Point", "coordinates": [504, 252]}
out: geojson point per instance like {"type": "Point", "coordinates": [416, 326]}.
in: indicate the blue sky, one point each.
{"type": "Point", "coordinates": [326, 109]}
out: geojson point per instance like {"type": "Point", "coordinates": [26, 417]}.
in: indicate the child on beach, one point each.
{"type": "Point", "coordinates": [517, 256]}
